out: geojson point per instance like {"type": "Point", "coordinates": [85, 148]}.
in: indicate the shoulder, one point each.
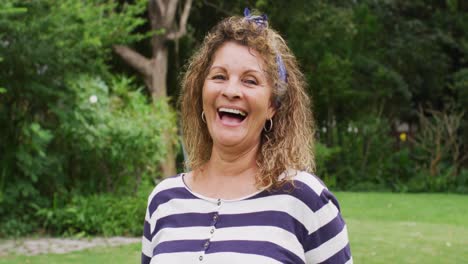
{"type": "Point", "coordinates": [326, 237]}
{"type": "Point", "coordinates": [309, 189]}
{"type": "Point", "coordinates": [167, 184]}
{"type": "Point", "coordinates": [304, 178]}
{"type": "Point", "coordinates": [165, 190]}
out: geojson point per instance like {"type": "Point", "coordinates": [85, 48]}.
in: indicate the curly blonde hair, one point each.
{"type": "Point", "coordinates": [289, 145]}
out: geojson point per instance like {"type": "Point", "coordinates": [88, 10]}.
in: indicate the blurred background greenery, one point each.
{"type": "Point", "coordinates": [87, 101]}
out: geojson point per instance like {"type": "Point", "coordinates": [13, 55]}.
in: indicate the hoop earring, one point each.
{"type": "Point", "coordinates": [203, 118]}
{"type": "Point", "coordinates": [270, 127]}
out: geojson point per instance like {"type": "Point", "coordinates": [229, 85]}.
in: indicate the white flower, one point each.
{"type": "Point", "coordinates": [4, 43]}
{"type": "Point", "coordinates": [356, 130]}
{"type": "Point", "coordinates": [324, 129]}
{"type": "Point", "coordinates": [93, 99]}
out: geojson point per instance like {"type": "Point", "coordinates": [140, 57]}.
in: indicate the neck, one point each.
{"type": "Point", "coordinates": [228, 164]}
{"type": "Point", "coordinates": [228, 174]}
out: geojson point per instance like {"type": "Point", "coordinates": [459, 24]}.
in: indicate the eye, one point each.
{"type": "Point", "coordinates": [251, 81]}
{"type": "Point", "coordinates": [218, 77]}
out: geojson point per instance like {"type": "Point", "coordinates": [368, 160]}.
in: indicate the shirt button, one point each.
{"type": "Point", "coordinates": [219, 202]}
{"type": "Point", "coordinates": [200, 258]}
{"type": "Point", "coordinates": [215, 217]}
{"type": "Point", "coordinates": [207, 243]}
{"type": "Point", "coordinates": [212, 231]}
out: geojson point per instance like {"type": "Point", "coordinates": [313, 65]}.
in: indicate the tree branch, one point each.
{"type": "Point", "coordinates": [219, 9]}
{"type": "Point", "coordinates": [134, 59]}
{"type": "Point", "coordinates": [161, 7]}
{"type": "Point", "coordinates": [182, 23]}
{"type": "Point", "coordinates": [155, 12]}
{"type": "Point", "coordinates": [170, 13]}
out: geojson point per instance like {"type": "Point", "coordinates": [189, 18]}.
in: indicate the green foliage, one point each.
{"type": "Point", "coordinates": [460, 86]}
{"type": "Point", "coordinates": [31, 157]}
{"type": "Point", "coordinates": [69, 126]}
{"type": "Point", "coordinates": [362, 160]}
{"type": "Point", "coordinates": [104, 214]}
{"type": "Point", "coordinates": [438, 151]}
{"type": "Point", "coordinates": [117, 128]}
{"type": "Point", "coordinates": [369, 65]}
{"type": "Point", "coordinates": [7, 7]}
{"type": "Point", "coordinates": [324, 155]}
{"type": "Point", "coordinates": [121, 116]}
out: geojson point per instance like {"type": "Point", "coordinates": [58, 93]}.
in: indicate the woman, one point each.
{"type": "Point", "coordinates": [248, 132]}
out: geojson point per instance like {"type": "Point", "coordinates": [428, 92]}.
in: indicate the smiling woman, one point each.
{"type": "Point", "coordinates": [236, 98]}
{"type": "Point", "coordinates": [250, 196]}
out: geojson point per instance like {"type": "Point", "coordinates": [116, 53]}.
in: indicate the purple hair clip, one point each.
{"type": "Point", "coordinates": [261, 21]}
{"type": "Point", "coordinates": [283, 74]}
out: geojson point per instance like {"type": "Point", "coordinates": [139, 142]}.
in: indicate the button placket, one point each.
{"type": "Point", "coordinates": [215, 219]}
{"type": "Point", "coordinates": [207, 244]}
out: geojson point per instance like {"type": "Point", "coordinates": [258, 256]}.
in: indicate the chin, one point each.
{"type": "Point", "coordinates": [229, 137]}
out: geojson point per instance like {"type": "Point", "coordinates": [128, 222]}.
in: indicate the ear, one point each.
{"type": "Point", "coordinates": [271, 110]}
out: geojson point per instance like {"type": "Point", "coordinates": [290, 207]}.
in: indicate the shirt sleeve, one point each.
{"type": "Point", "coordinates": [146, 240]}
{"type": "Point", "coordinates": [329, 242]}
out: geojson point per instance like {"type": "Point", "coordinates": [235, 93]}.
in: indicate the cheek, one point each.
{"type": "Point", "coordinates": [263, 100]}
{"type": "Point", "coordinates": [205, 94]}
{"type": "Point", "coordinates": [209, 95]}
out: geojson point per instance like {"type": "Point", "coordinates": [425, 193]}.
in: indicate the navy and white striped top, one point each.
{"type": "Point", "coordinates": [300, 223]}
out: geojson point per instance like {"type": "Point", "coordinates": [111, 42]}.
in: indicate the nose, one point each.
{"type": "Point", "coordinates": [232, 89]}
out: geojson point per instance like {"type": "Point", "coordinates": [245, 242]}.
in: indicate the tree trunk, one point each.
{"type": "Point", "coordinates": [162, 14]}
{"type": "Point", "coordinates": [158, 89]}
{"type": "Point", "coordinates": [159, 72]}
{"type": "Point", "coordinates": [168, 166]}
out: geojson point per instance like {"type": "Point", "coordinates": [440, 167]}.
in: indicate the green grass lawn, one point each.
{"type": "Point", "coordinates": [113, 255]}
{"type": "Point", "coordinates": [383, 228]}
{"type": "Point", "coordinates": [406, 228]}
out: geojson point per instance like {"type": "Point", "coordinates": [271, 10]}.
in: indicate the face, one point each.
{"type": "Point", "coordinates": [237, 96]}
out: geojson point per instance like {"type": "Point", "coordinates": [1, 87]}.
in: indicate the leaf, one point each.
{"type": "Point", "coordinates": [13, 10]}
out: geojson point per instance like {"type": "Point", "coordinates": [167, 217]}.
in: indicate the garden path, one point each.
{"type": "Point", "coordinates": [36, 246]}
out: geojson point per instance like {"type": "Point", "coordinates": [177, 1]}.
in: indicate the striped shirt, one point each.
{"type": "Point", "coordinates": [299, 223]}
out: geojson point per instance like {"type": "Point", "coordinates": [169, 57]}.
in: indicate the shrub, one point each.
{"type": "Point", "coordinates": [52, 140]}
{"type": "Point", "coordinates": [104, 214]}
{"type": "Point", "coordinates": [108, 141]}
{"type": "Point", "coordinates": [323, 155]}
{"type": "Point", "coordinates": [361, 154]}
{"type": "Point", "coordinates": [113, 134]}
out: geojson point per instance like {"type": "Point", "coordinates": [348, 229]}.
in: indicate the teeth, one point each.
{"type": "Point", "coordinates": [232, 111]}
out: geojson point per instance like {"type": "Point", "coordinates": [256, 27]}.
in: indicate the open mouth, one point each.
{"type": "Point", "coordinates": [230, 115]}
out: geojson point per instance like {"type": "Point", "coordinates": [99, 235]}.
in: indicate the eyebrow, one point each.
{"type": "Point", "coordinates": [247, 71]}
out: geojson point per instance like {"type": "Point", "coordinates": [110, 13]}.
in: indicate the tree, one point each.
{"type": "Point", "coordinates": [162, 15]}
{"type": "Point", "coordinates": [68, 125]}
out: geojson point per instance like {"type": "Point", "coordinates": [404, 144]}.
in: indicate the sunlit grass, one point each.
{"type": "Point", "coordinates": [406, 228]}
{"type": "Point", "coordinates": [121, 254]}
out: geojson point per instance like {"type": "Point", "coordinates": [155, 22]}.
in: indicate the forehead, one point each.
{"type": "Point", "coordinates": [234, 55]}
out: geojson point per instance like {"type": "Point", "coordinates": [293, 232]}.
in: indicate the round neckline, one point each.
{"type": "Point", "coordinates": [215, 200]}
